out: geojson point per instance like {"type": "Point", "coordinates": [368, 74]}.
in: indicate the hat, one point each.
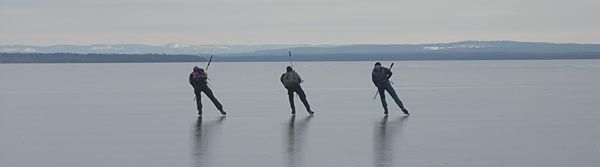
{"type": "Point", "coordinates": [196, 68]}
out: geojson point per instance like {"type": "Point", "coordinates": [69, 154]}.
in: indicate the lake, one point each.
{"type": "Point", "coordinates": [463, 114]}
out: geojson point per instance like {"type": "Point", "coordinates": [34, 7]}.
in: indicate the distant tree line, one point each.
{"type": "Point", "coordinates": [95, 58]}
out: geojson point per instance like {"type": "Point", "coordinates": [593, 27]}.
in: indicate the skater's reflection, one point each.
{"type": "Point", "coordinates": [204, 134]}
{"type": "Point", "coordinates": [385, 140]}
{"type": "Point", "coordinates": [296, 132]}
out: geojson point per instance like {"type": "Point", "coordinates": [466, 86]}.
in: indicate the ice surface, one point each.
{"type": "Point", "coordinates": [464, 113]}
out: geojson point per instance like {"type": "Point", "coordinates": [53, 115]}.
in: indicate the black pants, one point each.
{"type": "Point", "coordinates": [204, 88]}
{"type": "Point", "coordinates": [386, 86]}
{"type": "Point", "coordinates": [300, 92]}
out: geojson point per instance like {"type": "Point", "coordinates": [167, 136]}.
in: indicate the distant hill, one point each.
{"type": "Point", "coordinates": [172, 48]}
{"type": "Point", "coordinates": [94, 58]}
{"type": "Point", "coordinates": [410, 56]}
{"type": "Point", "coordinates": [466, 50]}
{"type": "Point", "coordinates": [456, 47]}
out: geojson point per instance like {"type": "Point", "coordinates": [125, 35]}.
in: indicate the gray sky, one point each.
{"type": "Point", "coordinates": [49, 22]}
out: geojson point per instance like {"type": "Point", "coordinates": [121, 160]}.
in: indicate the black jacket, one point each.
{"type": "Point", "coordinates": [381, 75]}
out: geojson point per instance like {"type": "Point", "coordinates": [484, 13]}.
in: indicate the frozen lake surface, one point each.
{"type": "Point", "coordinates": [464, 114]}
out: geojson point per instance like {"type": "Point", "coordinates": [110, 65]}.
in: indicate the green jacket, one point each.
{"type": "Point", "coordinates": [290, 79]}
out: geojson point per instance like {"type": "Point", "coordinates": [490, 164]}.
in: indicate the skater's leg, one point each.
{"type": "Point", "coordinates": [302, 96]}
{"type": "Point", "coordinates": [198, 101]}
{"type": "Point", "coordinates": [392, 93]}
{"type": "Point", "coordinates": [382, 97]}
{"type": "Point", "coordinates": [291, 98]}
{"type": "Point", "coordinates": [212, 98]}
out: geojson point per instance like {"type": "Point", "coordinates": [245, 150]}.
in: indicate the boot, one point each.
{"type": "Point", "coordinates": [405, 111]}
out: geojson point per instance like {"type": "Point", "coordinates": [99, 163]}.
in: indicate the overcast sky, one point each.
{"type": "Point", "coordinates": [49, 22]}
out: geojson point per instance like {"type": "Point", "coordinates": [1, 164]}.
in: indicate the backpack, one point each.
{"type": "Point", "coordinates": [199, 76]}
{"type": "Point", "coordinates": [290, 78]}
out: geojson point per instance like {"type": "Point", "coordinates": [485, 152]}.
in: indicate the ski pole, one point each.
{"type": "Point", "coordinates": [209, 60]}
{"type": "Point", "coordinates": [291, 64]}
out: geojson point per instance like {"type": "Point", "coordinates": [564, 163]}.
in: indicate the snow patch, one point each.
{"type": "Point", "coordinates": [454, 47]}
{"type": "Point", "coordinates": [434, 48]}
{"type": "Point", "coordinates": [29, 50]}
{"type": "Point", "coordinates": [177, 45]}
{"type": "Point", "coordinates": [107, 48]}
{"type": "Point", "coordinates": [467, 46]}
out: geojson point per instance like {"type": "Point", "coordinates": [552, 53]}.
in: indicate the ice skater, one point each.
{"type": "Point", "coordinates": [291, 81]}
{"type": "Point", "coordinates": [380, 77]}
{"type": "Point", "coordinates": [198, 80]}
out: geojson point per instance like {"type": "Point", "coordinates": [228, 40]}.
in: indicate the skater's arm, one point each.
{"type": "Point", "coordinates": [191, 81]}
{"type": "Point", "coordinates": [373, 77]}
{"type": "Point", "coordinates": [389, 73]}
{"type": "Point", "coordinates": [299, 78]}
